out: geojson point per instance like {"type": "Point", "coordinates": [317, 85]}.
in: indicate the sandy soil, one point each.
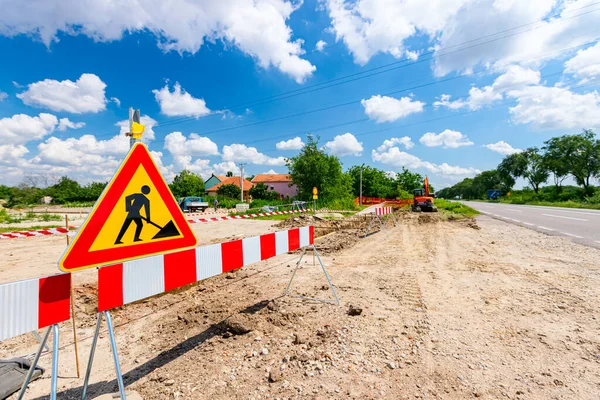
{"type": "Point", "coordinates": [449, 311]}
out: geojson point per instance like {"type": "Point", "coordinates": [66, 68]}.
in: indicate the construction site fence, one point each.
{"type": "Point", "coordinates": [369, 201]}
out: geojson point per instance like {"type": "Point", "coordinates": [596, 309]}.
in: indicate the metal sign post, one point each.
{"type": "Point", "coordinates": [113, 345]}
{"type": "Point", "coordinates": [54, 379]}
{"type": "Point", "coordinates": [315, 252]}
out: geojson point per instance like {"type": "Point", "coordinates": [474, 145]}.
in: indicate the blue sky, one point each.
{"type": "Point", "coordinates": [446, 90]}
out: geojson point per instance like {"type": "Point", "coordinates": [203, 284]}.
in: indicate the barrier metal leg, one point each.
{"type": "Point", "coordinates": [369, 227]}
{"type": "Point", "coordinates": [38, 337]}
{"type": "Point", "coordinates": [326, 275]}
{"type": "Point", "coordinates": [287, 290]}
{"type": "Point", "coordinates": [54, 384]}
{"type": "Point", "coordinates": [88, 371]}
{"type": "Point", "coordinates": [383, 227]}
{"type": "Point", "coordinates": [34, 363]}
{"type": "Point", "coordinates": [113, 344]}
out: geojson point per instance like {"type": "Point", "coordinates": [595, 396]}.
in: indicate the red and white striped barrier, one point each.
{"type": "Point", "coordinates": [131, 281]}
{"type": "Point", "coordinates": [33, 304]}
{"type": "Point", "coordinates": [244, 216]}
{"type": "Point", "coordinates": [38, 232]}
{"type": "Point", "coordinates": [383, 210]}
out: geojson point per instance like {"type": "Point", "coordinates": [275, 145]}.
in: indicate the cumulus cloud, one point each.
{"type": "Point", "coordinates": [21, 128]}
{"type": "Point", "coordinates": [344, 145]}
{"type": "Point", "coordinates": [404, 141]}
{"type": "Point", "coordinates": [10, 153]}
{"type": "Point", "coordinates": [270, 172]}
{"type": "Point", "coordinates": [148, 123]}
{"type": "Point", "coordinates": [198, 166]}
{"type": "Point", "coordinates": [85, 95]}
{"type": "Point", "coordinates": [226, 166]}
{"type": "Point", "coordinates": [320, 45]}
{"type": "Point", "coordinates": [551, 108]}
{"type": "Point", "coordinates": [449, 139]}
{"type": "Point", "coordinates": [292, 144]}
{"type": "Point", "coordinates": [388, 109]}
{"type": "Point", "coordinates": [257, 27]}
{"type": "Point", "coordinates": [397, 158]}
{"type": "Point", "coordinates": [503, 148]}
{"type": "Point", "coordinates": [193, 145]}
{"type": "Point", "coordinates": [65, 123]}
{"type": "Point", "coordinates": [241, 153]}
{"type": "Point", "coordinates": [515, 77]}
{"type": "Point", "coordinates": [179, 102]}
{"type": "Point", "coordinates": [586, 64]}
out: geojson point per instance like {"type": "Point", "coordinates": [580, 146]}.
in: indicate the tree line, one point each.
{"type": "Point", "coordinates": [561, 157]}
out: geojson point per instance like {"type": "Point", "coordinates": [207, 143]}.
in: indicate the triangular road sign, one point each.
{"type": "Point", "coordinates": [136, 216]}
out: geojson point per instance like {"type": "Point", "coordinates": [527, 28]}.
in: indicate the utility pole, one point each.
{"type": "Point", "coordinates": [134, 117]}
{"type": "Point", "coordinates": [242, 181]}
{"type": "Point", "coordinates": [360, 198]}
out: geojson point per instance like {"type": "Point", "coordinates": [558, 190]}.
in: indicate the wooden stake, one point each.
{"type": "Point", "coordinates": [74, 331]}
{"type": "Point", "coordinates": [67, 226]}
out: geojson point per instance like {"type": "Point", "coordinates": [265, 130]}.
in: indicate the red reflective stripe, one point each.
{"type": "Point", "coordinates": [293, 239]}
{"type": "Point", "coordinates": [232, 254]}
{"type": "Point", "coordinates": [311, 234]}
{"type": "Point", "coordinates": [110, 287]}
{"type": "Point", "coordinates": [180, 269]}
{"type": "Point", "coordinates": [267, 246]}
{"type": "Point", "coordinates": [54, 300]}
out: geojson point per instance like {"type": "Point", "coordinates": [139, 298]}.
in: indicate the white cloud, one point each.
{"type": "Point", "coordinates": [242, 153]}
{"type": "Point", "coordinates": [320, 45]}
{"type": "Point", "coordinates": [270, 172]}
{"type": "Point", "coordinates": [515, 77]}
{"type": "Point", "coordinates": [180, 102]}
{"type": "Point", "coordinates": [397, 158]}
{"type": "Point", "coordinates": [75, 151]}
{"type": "Point", "coordinates": [503, 148]}
{"type": "Point", "coordinates": [145, 120]}
{"type": "Point", "coordinates": [199, 166]}
{"type": "Point", "coordinates": [449, 139]}
{"type": "Point", "coordinates": [586, 64]}
{"type": "Point", "coordinates": [388, 109]}
{"type": "Point", "coordinates": [532, 46]}
{"type": "Point", "coordinates": [3, 96]}
{"type": "Point", "coordinates": [368, 27]}
{"type": "Point", "coordinates": [344, 145]}
{"type": "Point", "coordinates": [257, 27]}
{"type": "Point", "coordinates": [194, 145]}
{"type": "Point", "coordinates": [116, 101]}
{"type": "Point", "coordinates": [226, 166]}
{"type": "Point", "coordinates": [552, 108]}
{"type": "Point", "coordinates": [292, 144]}
{"type": "Point", "coordinates": [86, 94]}
{"type": "Point", "coordinates": [65, 123]}
{"type": "Point", "coordinates": [21, 128]}
{"type": "Point", "coordinates": [404, 141]}
{"type": "Point", "coordinates": [10, 153]}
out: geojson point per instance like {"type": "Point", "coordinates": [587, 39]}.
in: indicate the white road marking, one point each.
{"type": "Point", "coordinates": [516, 220]}
{"type": "Point", "coordinates": [543, 227]}
{"type": "Point", "coordinates": [560, 216]}
{"type": "Point", "coordinates": [508, 209]}
{"type": "Point", "coordinates": [570, 234]}
{"type": "Point", "coordinates": [527, 223]}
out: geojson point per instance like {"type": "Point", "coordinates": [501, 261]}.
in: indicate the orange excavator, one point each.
{"type": "Point", "coordinates": [423, 200]}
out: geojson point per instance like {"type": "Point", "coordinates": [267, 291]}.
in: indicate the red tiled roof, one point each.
{"type": "Point", "coordinates": [232, 180]}
{"type": "Point", "coordinates": [272, 178]}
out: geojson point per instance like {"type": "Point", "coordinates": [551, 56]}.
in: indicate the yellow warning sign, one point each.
{"type": "Point", "coordinates": [136, 216]}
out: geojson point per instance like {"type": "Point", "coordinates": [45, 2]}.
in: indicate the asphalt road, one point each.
{"type": "Point", "coordinates": [580, 225]}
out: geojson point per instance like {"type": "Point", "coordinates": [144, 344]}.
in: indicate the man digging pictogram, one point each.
{"type": "Point", "coordinates": [133, 205]}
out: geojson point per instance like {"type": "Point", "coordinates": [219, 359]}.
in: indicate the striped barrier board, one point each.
{"type": "Point", "coordinates": [383, 210]}
{"type": "Point", "coordinates": [244, 216]}
{"type": "Point", "coordinates": [135, 280]}
{"type": "Point", "coordinates": [32, 304]}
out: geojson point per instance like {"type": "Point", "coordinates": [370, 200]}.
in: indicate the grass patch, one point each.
{"type": "Point", "coordinates": [454, 207]}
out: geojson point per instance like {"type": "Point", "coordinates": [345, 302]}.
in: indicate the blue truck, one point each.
{"type": "Point", "coordinates": [494, 194]}
{"type": "Point", "coordinates": [193, 204]}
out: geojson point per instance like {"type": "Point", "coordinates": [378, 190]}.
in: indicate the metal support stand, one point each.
{"type": "Point", "coordinates": [381, 224]}
{"type": "Point", "coordinates": [315, 252]}
{"type": "Point", "coordinates": [113, 345]}
{"type": "Point", "coordinates": [393, 217]}
{"type": "Point", "coordinates": [39, 338]}
{"type": "Point", "coordinates": [54, 380]}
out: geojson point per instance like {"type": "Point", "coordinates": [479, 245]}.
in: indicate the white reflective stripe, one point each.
{"type": "Point", "coordinates": [143, 278]}
{"type": "Point", "coordinates": [251, 247]}
{"type": "Point", "coordinates": [281, 242]}
{"type": "Point", "coordinates": [19, 308]}
{"type": "Point", "coordinates": [304, 236]}
{"type": "Point", "coordinates": [208, 261]}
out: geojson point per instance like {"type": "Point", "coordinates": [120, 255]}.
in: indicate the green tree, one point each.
{"type": "Point", "coordinates": [409, 181]}
{"type": "Point", "coordinates": [260, 191]}
{"type": "Point", "coordinates": [229, 191]}
{"type": "Point", "coordinates": [312, 167]}
{"type": "Point", "coordinates": [536, 172]}
{"type": "Point", "coordinates": [556, 160]}
{"type": "Point", "coordinates": [64, 191]}
{"type": "Point", "coordinates": [187, 184]}
{"type": "Point", "coordinates": [375, 182]}
{"type": "Point", "coordinates": [229, 174]}
{"type": "Point", "coordinates": [582, 155]}
{"type": "Point", "coordinates": [24, 195]}
{"type": "Point", "coordinates": [4, 192]}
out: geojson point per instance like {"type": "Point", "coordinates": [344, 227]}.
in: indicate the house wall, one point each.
{"type": "Point", "coordinates": [212, 181]}
{"type": "Point", "coordinates": [283, 188]}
